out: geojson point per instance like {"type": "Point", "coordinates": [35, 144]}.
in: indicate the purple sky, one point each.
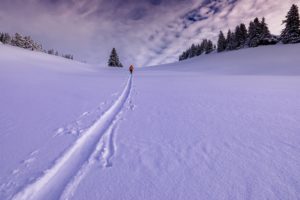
{"type": "Point", "coordinates": [145, 32]}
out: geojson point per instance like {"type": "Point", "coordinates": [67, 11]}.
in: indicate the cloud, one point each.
{"type": "Point", "coordinates": [209, 17]}
{"type": "Point", "coordinates": [145, 32]}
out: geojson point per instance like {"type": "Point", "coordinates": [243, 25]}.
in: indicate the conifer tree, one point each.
{"type": "Point", "coordinates": [254, 33]}
{"type": "Point", "coordinates": [1, 37]}
{"type": "Point", "coordinates": [265, 32]}
{"type": "Point", "coordinates": [28, 43]}
{"type": "Point", "coordinates": [184, 55]}
{"type": "Point", "coordinates": [266, 38]}
{"type": "Point", "coordinates": [199, 50]}
{"type": "Point", "coordinates": [18, 41]}
{"type": "Point", "coordinates": [243, 36]}
{"type": "Point", "coordinates": [231, 44]}
{"type": "Point", "coordinates": [193, 51]}
{"type": "Point", "coordinates": [237, 37]}
{"type": "Point", "coordinates": [114, 59]}
{"type": "Point", "coordinates": [291, 32]}
{"type": "Point", "coordinates": [221, 42]}
{"type": "Point", "coordinates": [209, 47]}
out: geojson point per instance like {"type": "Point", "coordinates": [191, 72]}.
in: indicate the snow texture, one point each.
{"type": "Point", "coordinates": [219, 126]}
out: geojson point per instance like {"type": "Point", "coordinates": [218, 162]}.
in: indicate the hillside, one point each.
{"type": "Point", "coordinates": [220, 126]}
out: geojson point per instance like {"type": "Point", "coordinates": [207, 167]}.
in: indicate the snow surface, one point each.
{"type": "Point", "coordinates": [220, 126]}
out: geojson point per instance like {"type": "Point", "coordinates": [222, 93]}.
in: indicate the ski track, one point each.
{"type": "Point", "coordinates": [62, 179]}
{"type": "Point", "coordinates": [103, 153]}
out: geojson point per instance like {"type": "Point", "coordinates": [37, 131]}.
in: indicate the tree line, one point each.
{"type": "Point", "coordinates": [26, 42]}
{"type": "Point", "coordinates": [256, 35]}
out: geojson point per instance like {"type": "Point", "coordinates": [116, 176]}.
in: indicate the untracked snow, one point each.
{"type": "Point", "coordinates": [219, 126]}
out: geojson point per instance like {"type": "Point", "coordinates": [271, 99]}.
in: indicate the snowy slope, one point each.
{"type": "Point", "coordinates": [264, 60]}
{"type": "Point", "coordinates": [46, 103]}
{"type": "Point", "coordinates": [222, 126]}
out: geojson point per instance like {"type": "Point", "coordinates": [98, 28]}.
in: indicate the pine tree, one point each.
{"type": "Point", "coordinates": [209, 47]}
{"type": "Point", "coordinates": [186, 55]}
{"type": "Point", "coordinates": [243, 36]}
{"type": "Point", "coordinates": [265, 30]}
{"type": "Point", "coordinates": [199, 50]}
{"type": "Point", "coordinates": [266, 38]}
{"type": "Point", "coordinates": [1, 37]}
{"type": "Point", "coordinates": [291, 32]}
{"type": "Point", "coordinates": [28, 43]}
{"type": "Point", "coordinates": [237, 37]}
{"type": "Point", "coordinates": [240, 36]}
{"type": "Point", "coordinates": [193, 51]}
{"type": "Point", "coordinates": [18, 41]}
{"type": "Point", "coordinates": [37, 47]}
{"type": "Point", "coordinates": [231, 43]}
{"type": "Point", "coordinates": [190, 52]}
{"type": "Point", "coordinates": [254, 33]}
{"type": "Point", "coordinates": [221, 42]}
{"type": "Point", "coordinates": [203, 45]}
{"type": "Point", "coordinates": [114, 59]}
{"type": "Point", "coordinates": [182, 56]}
{"type": "Point", "coordinates": [6, 39]}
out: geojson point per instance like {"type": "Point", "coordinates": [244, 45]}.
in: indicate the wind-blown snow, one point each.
{"type": "Point", "coordinates": [220, 126]}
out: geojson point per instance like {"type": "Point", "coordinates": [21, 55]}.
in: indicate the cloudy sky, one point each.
{"type": "Point", "coordinates": [145, 32]}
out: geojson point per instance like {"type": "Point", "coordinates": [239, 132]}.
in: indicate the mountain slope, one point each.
{"type": "Point", "coordinates": [223, 126]}
{"type": "Point", "coordinates": [46, 103]}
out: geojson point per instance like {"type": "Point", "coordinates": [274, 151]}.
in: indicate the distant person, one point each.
{"type": "Point", "coordinates": [131, 68]}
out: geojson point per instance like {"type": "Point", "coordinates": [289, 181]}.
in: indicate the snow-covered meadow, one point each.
{"type": "Point", "coordinates": [219, 126]}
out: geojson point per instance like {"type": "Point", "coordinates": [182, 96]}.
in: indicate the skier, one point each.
{"type": "Point", "coordinates": [131, 68]}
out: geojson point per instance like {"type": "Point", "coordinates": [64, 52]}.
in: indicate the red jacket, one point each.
{"type": "Point", "coordinates": [131, 68]}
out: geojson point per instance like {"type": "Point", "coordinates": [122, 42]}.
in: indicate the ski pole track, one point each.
{"type": "Point", "coordinates": [56, 180]}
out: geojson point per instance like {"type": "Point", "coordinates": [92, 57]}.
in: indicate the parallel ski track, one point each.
{"type": "Point", "coordinates": [54, 181]}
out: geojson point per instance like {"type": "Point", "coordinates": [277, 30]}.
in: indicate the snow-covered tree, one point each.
{"type": "Point", "coordinates": [243, 35]}
{"type": "Point", "coordinates": [291, 32]}
{"type": "Point", "coordinates": [259, 34]}
{"type": "Point", "coordinates": [203, 45]}
{"type": "Point", "coordinates": [231, 43]}
{"type": "Point", "coordinates": [193, 51]}
{"type": "Point", "coordinates": [28, 43]}
{"type": "Point", "coordinates": [266, 38]}
{"type": "Point", "coordinates": [265, 32]}
{"type": "Point", "coordinates": [255, 31]}
{"type": "Point", "coordinates": [209, 47]}
{"type": "Point", "coordinates": [114, 59]}
{"type": "Point", "coordinates": [221, 42]}
{"type": "Point", "coordinates": [240, 36]}
{"type": "Point", "coordinates": [18, 41]}
{"type": "Point", "coordinates": [199, 50]}
{"type": "Point", "coordinates": [1, 37]}
{"type": "Point", "coordinates": [237, 37]}
{"type": "Point", "coordinates": [183, 56]}
{"type": "Point", "coordinates": [6, 38]}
